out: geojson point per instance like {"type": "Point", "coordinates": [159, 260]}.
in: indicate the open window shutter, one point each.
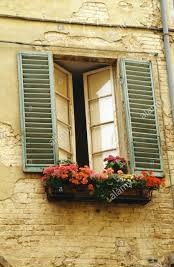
{"type": "Point", "coordinates": [143, 133]}
{"type": "Point", "coordinates": [37, 108]}
{"type": "Point", "coordinates": [100, 116]}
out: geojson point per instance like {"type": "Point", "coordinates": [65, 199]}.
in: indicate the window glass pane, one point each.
{"type": "Point", "coordinates": [61, 82]}
{"type": "Point", "coordinates": [64, 137]}
{"type": "Point", "coordinates": [63, 155]}
{"type": "Point", "coordinates": [62, 109]}
{"type": "Point", "coordinates": [104, 137]}
{"type": "Point", "coordinates": [101, 110]}
{"type": "Point", "coordinates": [99, 84]}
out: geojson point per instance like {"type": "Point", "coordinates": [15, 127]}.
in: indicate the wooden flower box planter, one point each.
{"type": "Point", "coordinates": [130, 196]}
{"type": "Point", "coordinates": [68, 182]}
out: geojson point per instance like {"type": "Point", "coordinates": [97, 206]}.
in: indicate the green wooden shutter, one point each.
{"type": "Point", "coordinates": [37, 108]}
{"type": "Point", "coordinates": [143, 133]}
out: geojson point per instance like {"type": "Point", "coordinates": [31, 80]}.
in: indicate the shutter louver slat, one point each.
{"type": "Point", "coordinates": [144, 143]}
{"type": "Point", "coordinates": [33, 86]}
{"type": "Point", "coordinates": [38, 117]}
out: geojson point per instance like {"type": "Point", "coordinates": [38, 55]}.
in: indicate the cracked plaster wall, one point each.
{"type": "Point", "coordinates": [130, 12]}
{"type": "Point", "coordinates": [34, 232]}
{"type": "Point", "coordinates": [171, 13]}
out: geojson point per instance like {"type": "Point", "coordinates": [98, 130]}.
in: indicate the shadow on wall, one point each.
{"type": "Point", "coordinates": [4, 262]}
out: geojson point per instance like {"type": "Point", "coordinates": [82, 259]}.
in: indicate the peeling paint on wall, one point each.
{"type": "Point", "coordinates": [10, 141]}
{"type": "Point", "coordinates": [125, 4]}
{"type": "Point", "coordinates": [118, 39]}
{"type": "Point", "coordinates": [137, 12]}
{"type": "Point", "coordinates": [92, 12]}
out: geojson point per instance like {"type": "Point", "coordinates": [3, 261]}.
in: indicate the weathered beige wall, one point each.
{"type": "Point", "coordinates": [170, 13]}
{"type": "Point", "coordinates": [144, 12]}
{"type": "Point", "coordinates": [34, 232]}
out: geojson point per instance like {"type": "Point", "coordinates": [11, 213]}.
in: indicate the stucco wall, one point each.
{"type": "Point", "coordinates": [171, 13]}
{"type": "Point", "coordinates": [143, 12]}
{"type": "Point", "coordinates": [34, 232]}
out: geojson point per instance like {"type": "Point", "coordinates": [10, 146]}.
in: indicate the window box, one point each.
{"type": "Point", "coordinates": [130, 196]}
{"type": "Point", "coordinates": [67, 181]}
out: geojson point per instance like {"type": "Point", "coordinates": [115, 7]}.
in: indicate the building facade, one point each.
{"type": "Point", "coordinates": [80, 48]}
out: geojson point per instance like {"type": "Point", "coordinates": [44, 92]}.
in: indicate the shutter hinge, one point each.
{"type": "Point", "coordinates": [121, 79]}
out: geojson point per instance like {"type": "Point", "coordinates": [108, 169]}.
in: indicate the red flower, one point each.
{"type": "Point", "coordinates": [151, 180]}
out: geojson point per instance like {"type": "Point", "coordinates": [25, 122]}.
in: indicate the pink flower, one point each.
{"type": "Point", "coordinates": [115, 159]}
{"type": "Point", "coordinates": [97, 175]}
{"type": "Point", "coordinates": [109, 171]}
{"type": "Point", "coordinates": [72, 167]}
{"type": "Point", "coordinates": [120, 172]}
{"type": "Point", "coordinates": [49, 171]}
{"type": "Point", "coordinates": [109, 158]}
{"type": "Point", "coordinates": [103, 176]}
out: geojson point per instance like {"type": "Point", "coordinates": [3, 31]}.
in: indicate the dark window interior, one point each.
{"type": "Point", "coordinates": [80, 120]}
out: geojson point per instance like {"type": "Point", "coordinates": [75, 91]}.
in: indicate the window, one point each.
{"type": "Point", "coordinates": [70, 114]}
{"type": "Point", "coordinates": [94, 100]}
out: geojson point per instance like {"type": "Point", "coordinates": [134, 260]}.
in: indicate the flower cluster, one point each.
{"type": "Point", "coordinates": [116, 163]}
{"type": "Point", "coordinates": [103, 175]}
{"type": "Point", "coordinates": [62, 171]}
{"type": "Point", "coordinates": [75, 175]}
{"type": "Point", "coordinates": [83, 176]}
{"type": "Point", "coordinates": [101, 183]}
{"type": "Point", "coordinates": [115, 159]}
{"type": "Point", "coordinates": [68, 172]}
{"type": "Point", "coordinates": [150, 180]}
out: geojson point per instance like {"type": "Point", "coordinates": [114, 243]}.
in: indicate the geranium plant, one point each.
{"type": "Point", "coordinates": [70, 174]}
{"type": "Point", "coordinates": [105, 185]}
{"type": "Point", "coordinates": [116, 163]}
